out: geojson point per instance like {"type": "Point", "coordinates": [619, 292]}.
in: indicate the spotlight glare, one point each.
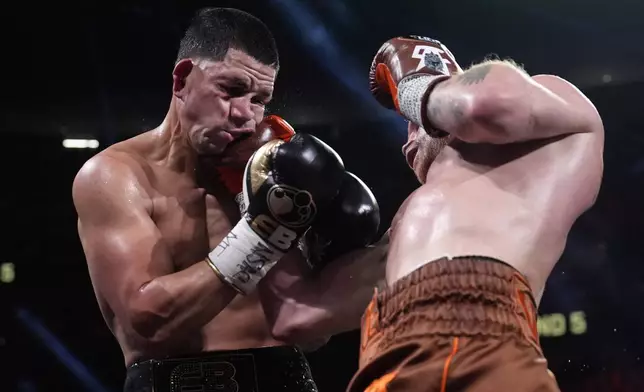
{"type": "Point", "coordinates": [80, 143]}
{"type": "Point", "coordinates": [7, 273]}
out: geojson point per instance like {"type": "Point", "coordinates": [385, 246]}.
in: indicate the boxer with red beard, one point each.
{"type": "Point", "coordinates": [507, 162]}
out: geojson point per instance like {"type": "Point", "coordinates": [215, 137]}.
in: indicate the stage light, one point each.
{"type": "Point", "coordinates": [80, 143]}
{"type": "Point", "coordinates": [7, 273]}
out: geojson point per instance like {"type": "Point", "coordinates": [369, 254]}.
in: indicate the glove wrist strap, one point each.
{"type": "Point", "coordinates": [413, 93]}
{"type": "Point", "coordinates": [243, 258]}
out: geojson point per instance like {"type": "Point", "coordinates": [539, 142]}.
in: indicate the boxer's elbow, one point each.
{"type": "Point", "coordinates": [302, 335]}
{"type": "Point", "coordinates": [150, 316]}
{"type": "Point", "coordinates": [290, 331]}
{"type": "Point", "coordinates": [150, 326]}
{"type": "Point", "coordinates": [286, 334]}
{"type": "Point", "coordinates": [312, 327]}
{"type": "Point", "coordinates": [298, 324]}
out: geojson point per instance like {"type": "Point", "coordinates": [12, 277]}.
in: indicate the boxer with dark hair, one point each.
{"type": "Point", "coordinates": [507, 163]}
{"type": "Point", "coordinates": [201, 292]}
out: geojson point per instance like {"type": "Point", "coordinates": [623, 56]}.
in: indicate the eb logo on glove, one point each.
{"type": "Point", "coordinates": [285, 182]}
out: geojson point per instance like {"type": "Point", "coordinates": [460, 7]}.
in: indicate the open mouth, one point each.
{"type": "Point", "coordinates": [239, 139]}
{"type": "Point", "coordinates": [237, 136]}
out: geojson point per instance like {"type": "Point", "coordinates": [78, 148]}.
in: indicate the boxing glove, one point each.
{"type": "Point", "coordinates": [350, 222]}
{"type": "Point", "coordinates": [285, 184]}
{"type": "Point", "coordinates": [405, 70]}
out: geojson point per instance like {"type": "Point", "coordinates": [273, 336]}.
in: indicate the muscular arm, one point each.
{"type": "Point", "coordinates": [301, 309]}
{"type": "Point", "coordinates": [131, 266]}
{"type": "Point", "coordinates": [497, 102]}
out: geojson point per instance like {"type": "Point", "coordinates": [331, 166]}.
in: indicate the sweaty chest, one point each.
{"type": "Point", "coordinates": [191, 223]}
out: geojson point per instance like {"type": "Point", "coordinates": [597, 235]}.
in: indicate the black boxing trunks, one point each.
{"type": "Point", "coordinates": [268, 369]}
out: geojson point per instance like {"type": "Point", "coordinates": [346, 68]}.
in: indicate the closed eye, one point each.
{"type": "Point", "coordinates": [260, 101]}
{"type": "Point", "coordinates": [235, 91]}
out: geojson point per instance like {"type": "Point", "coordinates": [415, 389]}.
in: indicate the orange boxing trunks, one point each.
{"type": "Point", "coordinates": [455, 324]}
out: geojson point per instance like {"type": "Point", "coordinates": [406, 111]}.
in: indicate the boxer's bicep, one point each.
{"type": "Point", "coordinates": [123, 257]}
{"type": "Point", "coordinates": [123, 247]}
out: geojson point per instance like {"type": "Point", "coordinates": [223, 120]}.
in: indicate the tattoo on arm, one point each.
{"type": "Point", "coordinates": [446, 112]}
{"type": "Point", "coordinates": [474, 75]}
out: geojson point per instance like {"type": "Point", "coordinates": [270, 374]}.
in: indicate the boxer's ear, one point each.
{"type": "Point", "coordinates": [412, 130]}
{"type": "Point", "coordinates": [179, 76]}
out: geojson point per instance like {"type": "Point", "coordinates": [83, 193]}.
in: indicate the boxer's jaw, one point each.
{"type": "Point", "coordinates": [200, 108]}
{"type": "Point", "coordinates": [413, 151]}
{"type": "Point", "coordinates": [421, 150]}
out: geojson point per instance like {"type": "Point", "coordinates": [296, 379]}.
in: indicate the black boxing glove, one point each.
{"type": "Point", "coordinates": [285, 184]}
{"type": "Point", "coordinates": [350, 222]}
{"type": "Point", "coordinates": [405, 70]}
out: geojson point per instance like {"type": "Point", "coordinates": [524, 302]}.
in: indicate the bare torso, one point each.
{"type": "Point", "coordinates": [513, 202]}
{"type": "Point", "coordinates": [191, 225]}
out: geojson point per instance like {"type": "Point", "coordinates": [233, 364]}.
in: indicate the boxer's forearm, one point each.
{"type": "Point", "coordinates": [496, 102]}
{"type": "Point", "coordinates": [300, 309]}
{"type": "Point", "coordinates": [339, 297]}
{"type": "Point", "coordinates": [178, 304]}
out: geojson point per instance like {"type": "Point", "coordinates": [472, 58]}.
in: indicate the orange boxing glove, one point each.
{"type": "Point", "coordinates": [405, 70]}
{"type": "Point", "coordinates": [274, 127]}
{"type": "Point", "coordinates": [270, 128]}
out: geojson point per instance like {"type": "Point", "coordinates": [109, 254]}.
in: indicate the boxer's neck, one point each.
{"type": "Point", "coordinates": [172, 146]}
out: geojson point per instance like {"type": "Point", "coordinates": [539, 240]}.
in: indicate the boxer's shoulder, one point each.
{"type": "Point", "coordinates": [111, 176]}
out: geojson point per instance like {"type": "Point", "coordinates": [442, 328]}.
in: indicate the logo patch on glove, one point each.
{"type": "Point", "coordinates": [437, 59]}
{"type": "Point", "coordinates": [421, 38]}
{"type": "Point", "coordinates": [434, 62]}
{"type": "Point", "coordinates": [290, 206]}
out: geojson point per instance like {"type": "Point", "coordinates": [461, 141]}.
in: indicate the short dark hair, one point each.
{"type": "Point", "coordinates": [215, 30]}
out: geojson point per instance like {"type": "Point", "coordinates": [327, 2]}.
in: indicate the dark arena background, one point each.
{"type": "Point", "coordinates": [101, 72]}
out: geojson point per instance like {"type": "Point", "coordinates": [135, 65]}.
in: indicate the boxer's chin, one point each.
{"type": "Point", "coordinates": [238, 153]}
{"type": "Point", "coordinates": [423, 158]}
{"type": "Point", "coordinates": [429, 148]}
{"type": "Point", "coordinates": [209, 143]}
{"type": "Point", "coordinates": [226, 160]}
{"type": "Point", "coordinates": [421, 171]}
{"type": "Point", "coordinates": [416, 159]}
